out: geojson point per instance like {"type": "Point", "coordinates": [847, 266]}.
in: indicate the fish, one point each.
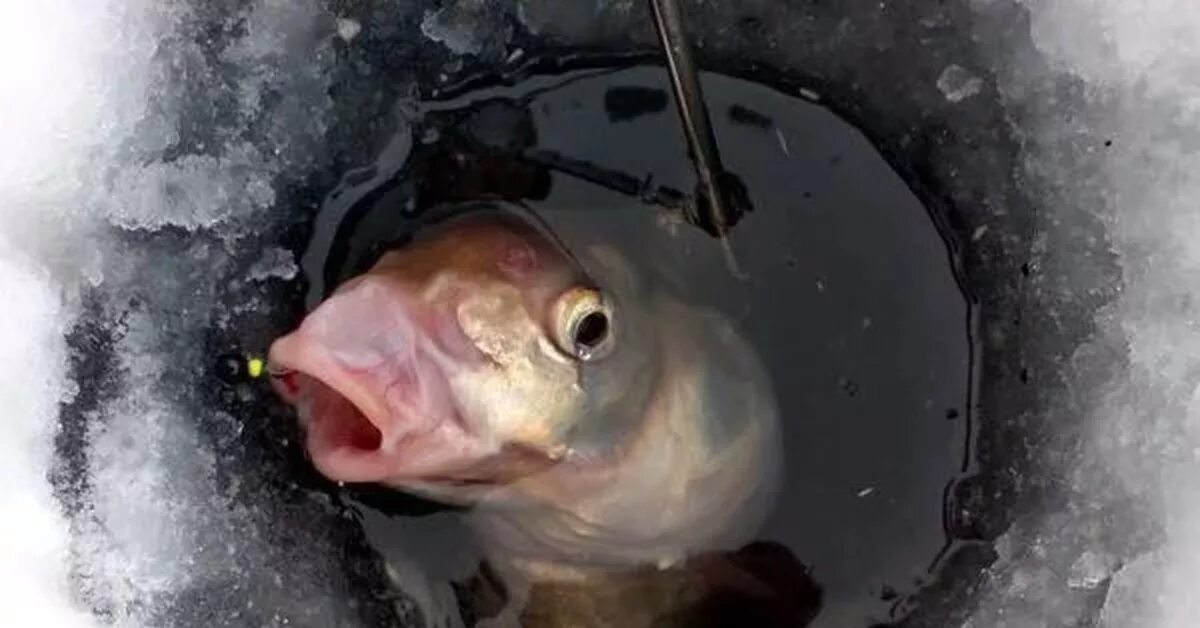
{"type": "Point", "coordinates": [761, 585]}
{"type": "Point", "coordinates": [590, 419]}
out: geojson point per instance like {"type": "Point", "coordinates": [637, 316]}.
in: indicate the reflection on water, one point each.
{"type": "Point", "coordinates": [851, 304]}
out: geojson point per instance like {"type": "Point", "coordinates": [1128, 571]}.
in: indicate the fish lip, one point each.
{"type": "Point", "coordinates": [294, 354]}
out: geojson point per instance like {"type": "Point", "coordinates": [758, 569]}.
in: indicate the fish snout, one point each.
{"type": "Point", "coordinates": [363, 327]}
{"type": "Point", "coordinates": [362, 373]}
{"type": "Point", "coordinates": [343, 343]}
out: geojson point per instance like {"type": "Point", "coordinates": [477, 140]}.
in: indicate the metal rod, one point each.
{"type": "Point", "coordinates": [665, 198]}
{"type": "Point", "coordinates": [693, 113]}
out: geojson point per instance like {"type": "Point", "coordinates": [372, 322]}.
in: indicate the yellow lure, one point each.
{"type": "Point", "coordinates": [255, 367]}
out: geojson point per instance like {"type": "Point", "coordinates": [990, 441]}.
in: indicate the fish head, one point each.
{"type": "Point", "coordinates": [474, 355]}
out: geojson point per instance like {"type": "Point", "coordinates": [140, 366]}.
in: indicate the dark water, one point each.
{"type": "Point", "coordinates": [851, 300]}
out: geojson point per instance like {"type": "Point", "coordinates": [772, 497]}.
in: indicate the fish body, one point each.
{"type": "Point", "coordinates": [592, 420]}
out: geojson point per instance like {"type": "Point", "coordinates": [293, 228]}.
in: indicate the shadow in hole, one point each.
{"type": "Point", "coordinates": [763, 585]}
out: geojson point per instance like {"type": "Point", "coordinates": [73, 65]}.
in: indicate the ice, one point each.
{"type": "Point", "coordinates": [155, 503]}
{"type": "Point", "coordinates": [551, 17]}
{"type": "Point", "coordinates": [34, 545]}
{"type": "Point", "coordinates": [1090, 570]}
{"type": "Point", "coordinates": [275, 262]}
{"type": "Point", "coordinates": [957, 83]}
{"type": "Point", "coordinates": [474, 27]}
{"type": "Point", "coordinates": [348, 28]}
{"type": "Point", "coordinates": [1109, 121]}
{"type": "Point", "coordinates": [1135, 598]}
{"type": "Point", "coordinates": [191, 192]}
{"type": "Point", "coordinates": [145, 143]}
{"type": "Point", "coordinates": [50, 127]}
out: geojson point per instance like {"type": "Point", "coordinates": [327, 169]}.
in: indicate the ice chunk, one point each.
{"type": "Point", "coordinates": [275, 262]}
{"type": "Point", "coordinates": [958, 84]}
{"type": "Point", "coordinates": [1090, 569]}
{"type": "Point", "coordinates": [192, 192]}
{"type": "Point", "coordinates": [348, 28]}
{"type": "Point", "coordinates": [474, 27]}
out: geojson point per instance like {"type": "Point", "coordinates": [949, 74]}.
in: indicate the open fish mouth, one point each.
{"type": "Point", "coordinates": [348, 444]}
{"type": "Point", "coordinates": [343, 424]}
{"type": "Point", "coordinates": [384, 419]}
{"type": "Point", "coordinates": [350, 433]}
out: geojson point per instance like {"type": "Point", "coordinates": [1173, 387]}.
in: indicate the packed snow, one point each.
{"type": "Point", "coordinates": [101, 99]}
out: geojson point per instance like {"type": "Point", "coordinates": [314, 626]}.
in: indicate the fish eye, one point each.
{"type": "Point", "coordinates": [591, 330]}
{"type": "Point", "coordinates": [583, 324]}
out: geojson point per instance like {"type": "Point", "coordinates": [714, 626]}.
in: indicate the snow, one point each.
{"type": "Point", "coordinates": [106, 184]}
{"type": "Point", "coordinates": [1129, 143]}
{"type": "Point", "coordinates": [119, 186]}
{"type": "Point", "coordinates": [50, 127]}
{"type": "Point", "coordinates": [33, 547]}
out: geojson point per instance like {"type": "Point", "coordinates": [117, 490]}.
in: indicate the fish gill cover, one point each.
{"type": "Point", "coordinates": [148, 154]}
